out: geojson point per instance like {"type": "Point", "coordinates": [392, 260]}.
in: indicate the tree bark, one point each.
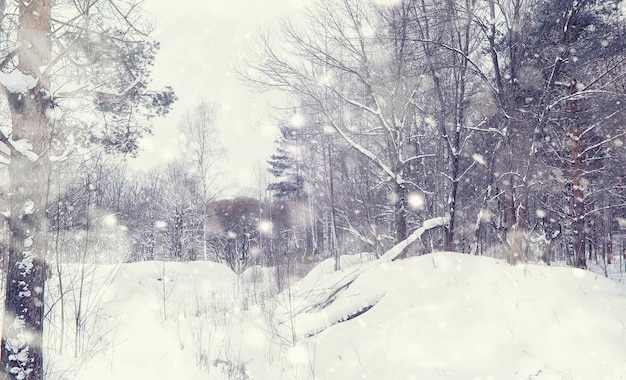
{"type": "Point", "coordinates": [331, 204]}
{"type": "Point", "coordinates": [578, 202]}
{"type": "Point", "coordinates": [400, 213]}
{"type": "Point", "coordinates": [22, 330]}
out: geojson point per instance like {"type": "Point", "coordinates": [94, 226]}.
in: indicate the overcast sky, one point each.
{"type": "Point", "coordinates": [200, 40]}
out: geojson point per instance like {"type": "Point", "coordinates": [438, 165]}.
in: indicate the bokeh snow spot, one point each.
{"type": "Point", "coordinates": [415, 200]}
{"type": "Point", "coordinates": [254, 338]}
{"type": "Point", "coordinates": [298, 355]}
{"type": "Point", "coordinates": [479, 159]}
{"type": "Point", "coordinates": [109, 221]}
{"type": "Point", "coordinates": [266, 226]}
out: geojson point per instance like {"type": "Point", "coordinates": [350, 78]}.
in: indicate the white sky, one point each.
{"type": "Point", "coordinates": [200, 40]}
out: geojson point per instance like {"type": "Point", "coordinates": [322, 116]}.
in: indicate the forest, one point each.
{"type": "Point", "coordinates": [505, 118]}
{"type": "Point", "coordinates": [483, 127]}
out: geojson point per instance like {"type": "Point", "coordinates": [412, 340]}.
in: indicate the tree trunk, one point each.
{"type": "Point", "coordinates": [22, 329]}
{"type": "Point", "coordinates": [514, 234]}
{"type": "Point", "coordinates": [578, 203]}
{"type": "Point", "coordinates": [331, 204]}
{"type": "Point", "coordinates": [400, 213]}
{"type": "Point", "coordinates": [608, 238]}
{"type": "Point", "coordinates": [448, 235]}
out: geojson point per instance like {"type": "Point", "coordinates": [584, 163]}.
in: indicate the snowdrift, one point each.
{"type": "Point", "coordinates": [453, 316]}
{"type": "Point", "coordinates": [438, 316]}
{"type": "Point", "coordinates": [148, 320]}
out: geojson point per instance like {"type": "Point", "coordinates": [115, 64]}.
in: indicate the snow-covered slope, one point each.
{"type": "Point", "coordinates": [149, 320]}
{"type": "Point", "coordinates": [454, 316]}
{"type": "Point", "coordinates": [439, 316]}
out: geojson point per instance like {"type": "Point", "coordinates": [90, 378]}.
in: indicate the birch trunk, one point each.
{"type": "Point", "coordinates": [22, 330]}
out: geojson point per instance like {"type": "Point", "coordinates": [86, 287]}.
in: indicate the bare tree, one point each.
{"type": "Point", "coordinates": [537, 81]}
{"type": "Point", "coordinates": [342, 69]}
{"type": "Point", "coordinates": [202, 151]}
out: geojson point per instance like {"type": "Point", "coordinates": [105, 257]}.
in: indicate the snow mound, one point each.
{"type": "Point", "coordinates": [447, 315]}
{"type": "Point", "coordinates": [438, 316]}
{"type": "Point", "coordinates": [147, 320]}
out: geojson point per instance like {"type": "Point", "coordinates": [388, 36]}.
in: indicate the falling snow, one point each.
{"type": "Point", "coordinates": [415, 200]}
{"type": "Point", "coordinates": [110, 221]}
{"type": "Point", "coordinates": [442, 315]}
{"type": "Point", "coordinates": [266, 227]}
{"type": "Point", "coordinates": [479, 159]}
{"type": "Point", "coordinates": [298, 120]}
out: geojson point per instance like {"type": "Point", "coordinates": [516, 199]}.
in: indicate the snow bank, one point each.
{"type": "Point", "coordinates": [143, 320]}
{"type": "Point", "coordinates": [448, 315]}
{"type": "Point", "coordinates": [438, 316]}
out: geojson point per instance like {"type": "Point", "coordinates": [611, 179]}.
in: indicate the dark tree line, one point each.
{"type": "Point", "coordinates": [503, 116]}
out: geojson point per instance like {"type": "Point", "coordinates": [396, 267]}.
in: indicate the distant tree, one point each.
{"type": "Point", "coordinates": [544, 77]}
{"type": "Point", "coordinates": [181, 212]}
{"type": "Point", "coordinates": [234, 227]}
{"type": "Point", "coordinates": [479, 111]}
{"type": "Point", "coordinates": [294, 167]}
{"type": "Point", "coordinates": [285, 164]}
{"type": "Point", "coordinates": [345, 68]}
{"type": "Point", "coordinates": [202, 151]}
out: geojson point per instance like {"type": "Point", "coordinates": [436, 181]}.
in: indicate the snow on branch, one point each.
{"type": "Point", "coordinates": [62, 157]}
{"type": "Point", "coordinates": [82, 90]}
{"type": "Point", "coordinates": [359, 148]}
{"type": "Point", "coordinates": [17, 82]}
{"type": "Point", "coordinates": [429, 224]}
{"type": "Point", "coordinates": [25, 148]}
{"type": "Point", "coordinates": [10, 147]}
{"type": "Point", "coordinates": [311, 324]}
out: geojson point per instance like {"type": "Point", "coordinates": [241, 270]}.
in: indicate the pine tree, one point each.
{"type": "Point", "coordinates": [285, 165]}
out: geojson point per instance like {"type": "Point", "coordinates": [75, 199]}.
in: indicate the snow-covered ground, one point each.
{"type": "Point", "coordinates": [438, 316]}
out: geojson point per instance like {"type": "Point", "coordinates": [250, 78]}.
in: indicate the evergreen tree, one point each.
{"type": "Point", "coordinates": [285, 165]}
